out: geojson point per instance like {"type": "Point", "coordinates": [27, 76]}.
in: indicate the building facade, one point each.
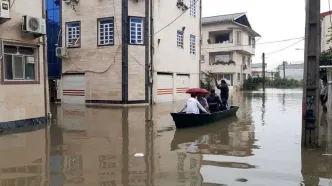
{"type": "Point", "coordinates": [228, 45]}
{"type": "Point", "coordinates": [291, 70]}
{"type": "Point", "coordinates": [107, 51]}
{"type": "Point", "coordinates": [257, 71]}
{"type": "Point", "coordinates": [23, 80]}
{"type": "Point", "coordinates": [325, 30]}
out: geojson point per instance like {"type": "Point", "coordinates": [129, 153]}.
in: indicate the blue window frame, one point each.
{"type": "Point", "coordinates": [192, 44]}
{"type": "Point", "coordinates": [73, 34]}
{"type": "Point", "coordinates": [180, 39]}
{"type": "Point", "coordinates": [106, 31]}
{"type": "Point", "coordinates": [136, 31]}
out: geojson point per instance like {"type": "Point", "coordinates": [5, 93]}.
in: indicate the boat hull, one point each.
{"type": "Point", "coordinates": [183, 120]}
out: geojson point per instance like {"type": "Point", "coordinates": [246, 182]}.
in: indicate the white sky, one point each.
{"type": "Point", "coordinates": [273, 20]}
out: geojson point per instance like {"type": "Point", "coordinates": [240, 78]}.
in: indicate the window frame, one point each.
{"type": "Point", "coordinates": [238, 39]}
{"type": "Point", "coordinates": [192, 10]}
{"type": "Point", "coordinates": [98, 31]}
{"type": "Point", "coordinates": [66, 34]}
{"type": "Point", "coordinates": [177, 39]}
{"type": "Point", "coordinates": [143, 30]}
{"type": "Point", "coordinates": [36, 64]}
{"type": "Point", "coordinates": [192, 44]}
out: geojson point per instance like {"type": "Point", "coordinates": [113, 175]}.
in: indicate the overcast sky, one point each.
{"type": "Point", "coordinates": [273, 20]}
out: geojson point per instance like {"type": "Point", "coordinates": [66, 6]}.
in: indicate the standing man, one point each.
{"type": "Point", "coordinates": [224, 91]}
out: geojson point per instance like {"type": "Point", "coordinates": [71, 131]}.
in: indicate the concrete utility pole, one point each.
{"type": "Point", "coordinates": [284, 67]}
{"type": "Point", "coordinates": [310, 119]}
{"type": "Point", "coordinates": [263, 61]}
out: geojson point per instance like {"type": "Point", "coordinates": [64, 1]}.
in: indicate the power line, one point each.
{"type": "Point", "coordinates": [176, 18]}
{"type": "Point", "coordinates": [285, 47]}
{"type": "Point", "coordinates": [271, 42]}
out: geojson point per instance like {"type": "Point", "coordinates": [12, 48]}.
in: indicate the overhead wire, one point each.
{"type": "Point", "coordinates": [194, 4]}
{"type": "Point", "coordinates": [285, 47]}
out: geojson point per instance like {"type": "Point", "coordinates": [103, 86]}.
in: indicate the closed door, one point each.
{"type": "Point", "coordinates": [73, 89]}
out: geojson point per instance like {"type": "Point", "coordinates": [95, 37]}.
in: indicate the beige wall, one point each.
{"type": "Point", "coordinates": [105, 83]}
{"type": "Point", "coordinates": [237, 51]}
{"type": "Point", "coordinates": [167, 56]}
{"type": "Point", "coordinates": [19, 102]}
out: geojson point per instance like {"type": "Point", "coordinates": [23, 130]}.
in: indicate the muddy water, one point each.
{"type": "Point", "coordinates": [97, 146]}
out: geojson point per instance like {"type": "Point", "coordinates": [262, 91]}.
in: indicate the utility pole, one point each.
{"type": "Point", "coordinates": [284, 67]}
{"type": "Point", "coordinates": [310, 119]}
{"type": "Point", "coordinates": [263, 60]}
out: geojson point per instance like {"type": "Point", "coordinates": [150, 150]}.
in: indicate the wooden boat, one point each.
{"type": "Point", "coordinates": [183, 120]}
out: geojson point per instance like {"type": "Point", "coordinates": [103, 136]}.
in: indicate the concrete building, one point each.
{"type": "Point", "coordinates": [106, 51]}
{"type": "Point", "coordinates": [325, 30]}
{"type": "Point", "coordinates": [291, 70]}
{"type": "Point", "coordinates": [228, 45]}
{"type": "Point", "coordinates": [257, 71]}
{"type": "Point", "coordinates": [23, 80]}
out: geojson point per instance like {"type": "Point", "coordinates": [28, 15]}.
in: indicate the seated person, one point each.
{"type": "Point", "coordinates": [214, 102]}
{"type": "Point", "coordinates": [193, 106]}
{"type": "Point", "coordinates": [202, 100]}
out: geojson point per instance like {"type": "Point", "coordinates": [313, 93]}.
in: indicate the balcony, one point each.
{"type": "Point", "coordinates": [228, 47]}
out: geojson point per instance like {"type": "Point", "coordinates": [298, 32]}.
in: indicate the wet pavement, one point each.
{"type": "Point", "coordinates": [97, 146]}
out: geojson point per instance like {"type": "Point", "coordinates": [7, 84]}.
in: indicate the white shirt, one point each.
{"type": "Point", "coordinates": [193, 106]}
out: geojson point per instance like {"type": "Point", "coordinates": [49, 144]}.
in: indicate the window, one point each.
{"type": "Point", "coordinates": [202, 59]}
{"type": "Point", "coordinates": [192, 44]}
{"type": "Point", "coordinates": [106, 31]}
{"type": "Point", "coordinates": [223, 58]}
{"type": "Point", "coordinates": [250, 39]}
{"type": "Point", "coordinates": [238, 76]}
{"type": "Point", "coordinates": [180, 39]}
{"type": "Point", "coordinates": [73, 34]}
{"type": "Point", "coordinates": [238, 37]}
{"type": "Point", "coordinates": [19, 63]}
{"type": "Point", "coordinates": [136, 31]}
{"type": "Point", "coordinates": [192, 8]}
{"type": "Point", "coordinates": [243, 60]}
{"type": "Point", "coordinates": [249, 61]}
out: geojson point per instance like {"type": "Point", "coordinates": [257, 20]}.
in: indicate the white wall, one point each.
{"type": "Point", "coordinates": [167, 56]}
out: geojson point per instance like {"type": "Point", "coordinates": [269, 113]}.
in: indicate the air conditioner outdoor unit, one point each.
{"type": "Point", "coordinates": [33, 25]}
{"type": "Point", "coordinates": [61, 52]}
{"type": "Point", "coordinates": [4, 9]}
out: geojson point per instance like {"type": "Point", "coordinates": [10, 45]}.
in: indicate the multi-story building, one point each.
{"type": "Point", "coordinates": [292, 70]}
{"type": "Point", "coordinates": [107, 50]}
{"type": "Point", "coordinates": [23, 80]}
{"type": "Point", "coordinates": [228, 45]}
{"type": "Point", "coordinates": [257, 71]}
{"type": "Point", "coordinates": [326, 33]}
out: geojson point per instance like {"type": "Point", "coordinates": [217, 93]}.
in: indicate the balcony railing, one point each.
{"type": "Point", "coordinates": [228, 47]}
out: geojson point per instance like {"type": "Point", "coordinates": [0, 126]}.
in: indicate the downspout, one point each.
{"type": "Point", "coordinates": [200, 44]}
{"type": "Point", "coordinates": [46, 102]}
{"type": "Point", "coordinates": [151, 52]}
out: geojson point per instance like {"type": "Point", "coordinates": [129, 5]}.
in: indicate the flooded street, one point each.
{"type": "Point", "coordinates": [97, 146]}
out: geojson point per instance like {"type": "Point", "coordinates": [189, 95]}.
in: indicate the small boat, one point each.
{"type": "Point", "coordinates": [183, 120]}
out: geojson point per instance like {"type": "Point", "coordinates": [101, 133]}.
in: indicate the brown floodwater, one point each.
{"type": "Point", "coordinates": [97, 146]}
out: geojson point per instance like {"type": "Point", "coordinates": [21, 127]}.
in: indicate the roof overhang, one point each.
{"type": "Point", "coordinates": [251, 31]}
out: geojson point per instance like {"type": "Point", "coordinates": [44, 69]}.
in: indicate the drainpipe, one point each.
{"type": "Point", "coordinates": [151, 52]}
{"type": "Point", "coordinates": [200, 44]}
{"type": "Point", "coordinates": [46, 102]}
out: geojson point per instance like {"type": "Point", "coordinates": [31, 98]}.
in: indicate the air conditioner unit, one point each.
{"type": "Point", "coordinates": [33, 25]}
{"type": "Point", "coordinates": [61, 52]}
{"type": "Point", "coordinates": [4, 9]}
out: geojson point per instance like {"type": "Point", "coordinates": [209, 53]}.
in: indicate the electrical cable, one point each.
{"type": "Point", "coordinates": [12, 4]}
{"type": "Point", "coordinates": [176, 18]}
{"type": "Point", "coordinates": [285, 47]}
{"type": "Point", "coordinates": [271, 42]}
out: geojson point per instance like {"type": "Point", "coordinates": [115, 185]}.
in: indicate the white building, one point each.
{"type": "Point", "coordinates": [325, 25]}
{"type": "Point", "coordinates": [291, 70]}
{"type": "Point", "coordinates": [228, 45]}
{"type": "Point", "coordinates": [110, 51]}
{"type": "Point", "coordinates": [257, 71]}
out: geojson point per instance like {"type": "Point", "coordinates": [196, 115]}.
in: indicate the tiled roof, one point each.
{"type": "Point", "coordinates": [221, 18]}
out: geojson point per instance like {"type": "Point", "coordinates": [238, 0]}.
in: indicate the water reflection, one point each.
{"type": "Point", "coordinates": [96, 147]}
